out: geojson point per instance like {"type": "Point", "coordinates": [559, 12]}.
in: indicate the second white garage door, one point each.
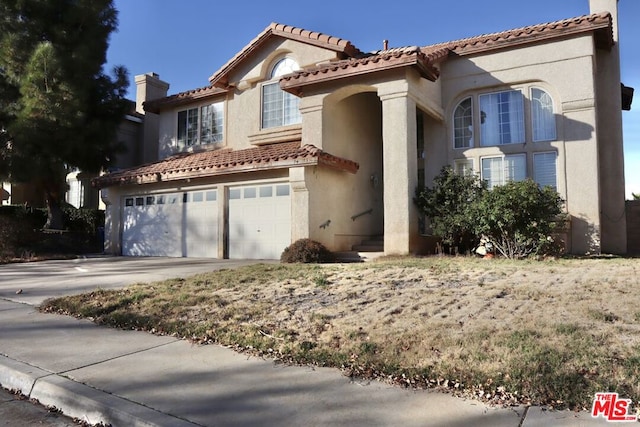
{"type": "Point", "coordinates": [259, 221]}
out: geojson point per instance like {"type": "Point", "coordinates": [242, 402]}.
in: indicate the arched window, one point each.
{"type": "Point", "coordinates": [463, 124]}
{"type": "Point", "coordinates": [542, 116]}
{"type": "Point", "coordinates": [280, 108]}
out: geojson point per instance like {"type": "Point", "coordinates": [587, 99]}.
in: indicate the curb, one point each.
{"type": "Point", "coordinates": [80, 401]}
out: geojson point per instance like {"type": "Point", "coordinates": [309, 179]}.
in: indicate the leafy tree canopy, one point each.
{"type": "Point", "coordinates": [58, 109]}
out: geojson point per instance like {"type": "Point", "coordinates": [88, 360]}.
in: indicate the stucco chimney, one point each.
{"type": "Point", "coordinates": [611, 6]}
{"type": "Point", "coordinates": [149, 87]}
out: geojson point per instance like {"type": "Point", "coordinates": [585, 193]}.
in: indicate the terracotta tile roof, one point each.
{"type": "Point", "coordinates": [426, 57]}
{"type": "Point", "coordinates": [226, 161]}
{"type": "Point", "coordinates": [182, 98]}
{"type": "Point", "coordinates": [342, 46]}
{"type": "Point", "coordinates": [424, 62]}
{"type": "Point", "coordinates": [601, 22]}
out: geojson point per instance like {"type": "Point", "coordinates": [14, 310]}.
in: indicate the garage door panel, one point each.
{"type": "Point", "coordinates": [170, 225]}
{"type": "Point", "coordinates": [202, 225]}
{"type": "Point", "coordinates": [259, 221]}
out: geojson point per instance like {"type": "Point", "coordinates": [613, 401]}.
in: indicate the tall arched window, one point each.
{"type": "Point", "coordinates": [463, 124]}
{"type": "Point", "coordinates": [542, 116]}
{"type": "Point", "coordinates": [280, 108]}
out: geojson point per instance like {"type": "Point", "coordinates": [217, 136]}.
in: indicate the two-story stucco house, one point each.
{"type": "Point", "coordinates": [301, 134]}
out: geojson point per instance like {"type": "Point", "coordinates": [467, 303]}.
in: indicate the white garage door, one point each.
{"type": "Point", "coordinates": [259, 221]}
{"type": "Point", "coordinates": [174, 225]}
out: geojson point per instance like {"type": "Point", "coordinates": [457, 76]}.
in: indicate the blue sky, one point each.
{"type": "Point", "coordinates": [185, 41]}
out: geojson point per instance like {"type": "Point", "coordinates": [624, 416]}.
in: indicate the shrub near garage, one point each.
{"type": "Point", "coordinates": [22, 237]}
{"type": "Point", "coordinates": [306, 251]}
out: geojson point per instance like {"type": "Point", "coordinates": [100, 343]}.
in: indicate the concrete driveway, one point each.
{"type": "Point", "coordinates": [37, 281]}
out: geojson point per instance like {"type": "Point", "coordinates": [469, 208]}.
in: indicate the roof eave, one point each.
{"type": "Point", "coordinates": [157, 105]}
{"type": "Point", "coordinates": [295, 83]}
{"type": "Point", "coordinates": [600, 25]}
{"type": "Point", "coordinates": [341, 46]}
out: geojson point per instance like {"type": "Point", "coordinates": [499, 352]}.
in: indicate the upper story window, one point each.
{"type": "Point", "coordinates": [201, 125]}
{"type": "Point", "coordinates": [280, 108]}
{"type": "Point", "coordinates": [543, 120]}
{"type": "Point", "coordinates": [504, 118]}
{"type": "Point", "coordinates": [463, 124]}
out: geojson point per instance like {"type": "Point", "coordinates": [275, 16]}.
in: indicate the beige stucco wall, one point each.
{"type": "Point", "coordinates": [243, 107]}
{"type": "Point", "coordinates": [564, 69]}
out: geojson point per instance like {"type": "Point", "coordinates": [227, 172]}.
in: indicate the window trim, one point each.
{"type": "Point", "coordinates": [521, 133]}
{"type": "Point", "coordinates": [555, 167]}
{"type": "Point", "coordinates": [471, 142]}
{"type": "Point", "coordinates": [503, 179]}
{"type": "Point", "coordinates": [526, 91]}
{"type": "Point", "coordinates": [531, 114]}
{"type": "Point", "coordinates": [273, 80]}
{"type": "Point", "coordinates": [183, 144]}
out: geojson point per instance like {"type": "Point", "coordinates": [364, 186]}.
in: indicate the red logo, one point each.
{"type": "Point", "coordinates": [612, 408]}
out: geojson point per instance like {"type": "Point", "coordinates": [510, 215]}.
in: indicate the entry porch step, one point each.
{"type": "Point", "coordinates": [373, 244]}
{"type": "Point", "coordinates": [369, 249]}
{"type": "Point", "coordinates": [355, 256]}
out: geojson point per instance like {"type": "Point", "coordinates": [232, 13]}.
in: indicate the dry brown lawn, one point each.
{"type": "Point", "coordinates": [549, 332]}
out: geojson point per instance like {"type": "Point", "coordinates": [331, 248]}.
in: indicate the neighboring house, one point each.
{"type": "Point", "coordinates": [302, 135]}
{"type": "Point", "coordinates": [137, 137]}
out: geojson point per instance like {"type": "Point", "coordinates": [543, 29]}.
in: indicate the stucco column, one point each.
{"type": "Point", "coordinates": [311, 111]}
{"type": "Point", "coordinates": [400, 171]}
{"type": "Point", "coordinates": [299, 204]}
{"type": "Point", "coordinates": [610, 138]}
{"type": "Point", "coordinates": [111, 221]}
{"type": "Point", "coordinates": [223, 221]}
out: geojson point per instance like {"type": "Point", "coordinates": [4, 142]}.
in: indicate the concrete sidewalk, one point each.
{"type": "Point", "coordinates": [128, 378]}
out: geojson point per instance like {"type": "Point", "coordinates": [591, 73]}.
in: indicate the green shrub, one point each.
{"type": "Point", "coordinates": [21, 233]}
{"type": "Point", "coordinates": [449, 207]}
{"type": "Point", "coordinates": [84, 221]}
{"type": "Point", "coordinates": [519, 218]}
{"type": "Point", "coordinates": [306, 251]}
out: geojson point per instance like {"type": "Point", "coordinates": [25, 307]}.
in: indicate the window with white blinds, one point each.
{"type": "Point", "coordinates": [544, 169]}
{"type": "Point", "coordinates": [500, 170]}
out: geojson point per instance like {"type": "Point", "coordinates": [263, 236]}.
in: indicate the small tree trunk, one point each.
{"type": "Point", "coordinates": [54, 211]}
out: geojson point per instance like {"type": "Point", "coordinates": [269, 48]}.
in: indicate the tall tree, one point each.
{"type": "Point", "coordinates": [59, 110]}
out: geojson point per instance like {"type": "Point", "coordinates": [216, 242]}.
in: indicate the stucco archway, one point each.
{"type": "Point", "coordinates": [352, 128]}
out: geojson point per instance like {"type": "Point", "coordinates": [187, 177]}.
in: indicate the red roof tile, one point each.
{"type": "Point", "coordinates": [183, 98]}
{"type": "Point", "coordinates": [601, 22]}
{"type": "Point", "coordinates": [426, 57]}
{"type": "Point", "coordinates": [226, 161]}
{"type": "Point", "coordinates": [377, 61]}
{"type": "Point", "coordinates": [336, 44]}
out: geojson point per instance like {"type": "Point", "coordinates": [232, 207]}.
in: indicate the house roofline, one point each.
{"type": "Point", "coordinates": [342, 46]}
{"type": "Point", "coordinates": [225, 162]}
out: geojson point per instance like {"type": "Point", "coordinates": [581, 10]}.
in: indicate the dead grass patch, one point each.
{"type": "Point", "coordinates": [551, 333]}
